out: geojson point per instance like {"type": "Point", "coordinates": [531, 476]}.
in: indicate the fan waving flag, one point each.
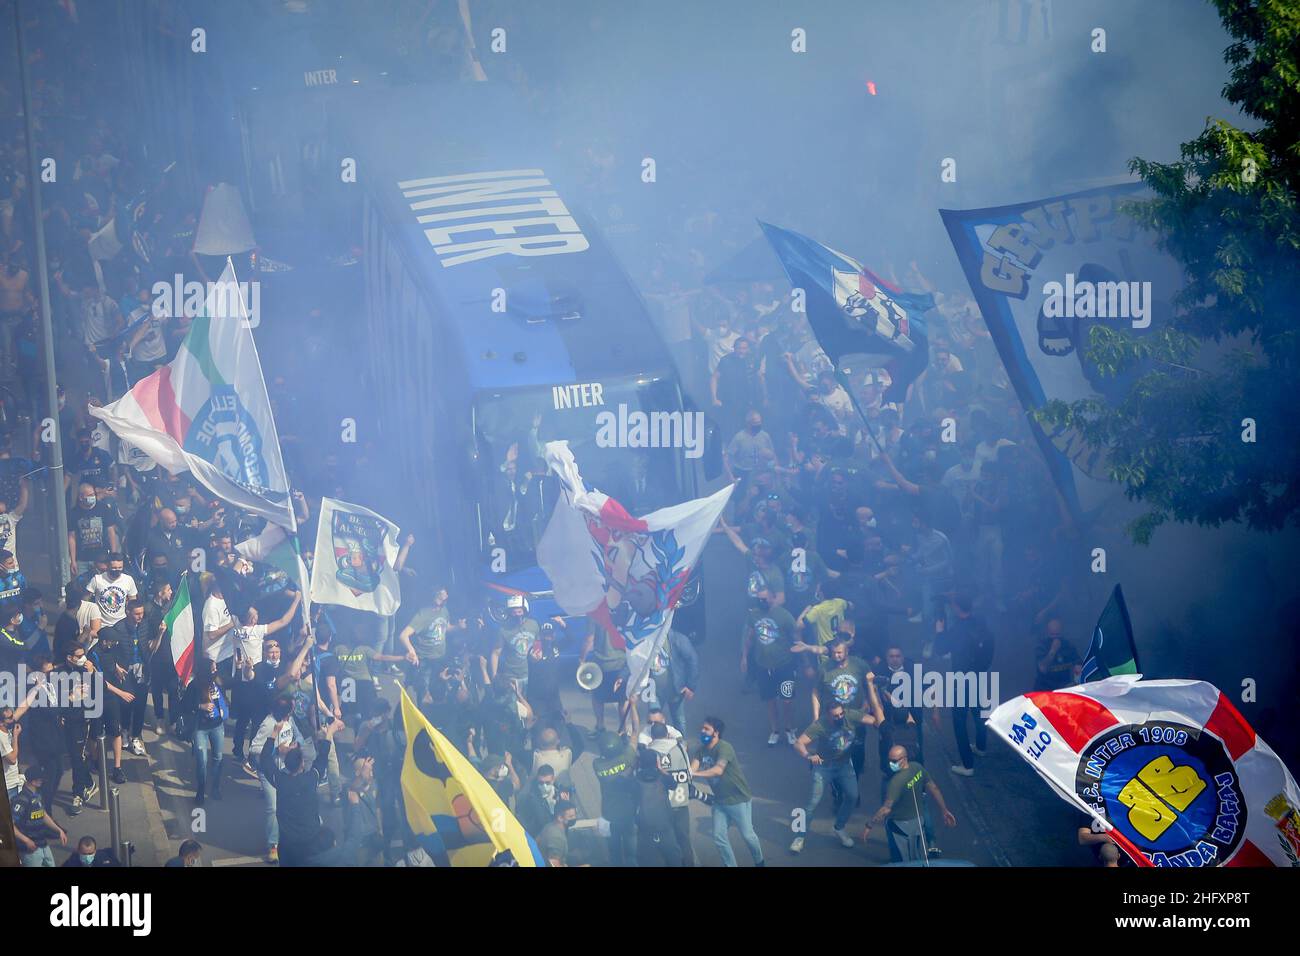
{"type": "Point", "coordinates": [627, 574]}
{"type": "Point", "coordinates": [1172, 771]}
{"type": "Point", "coordinates": [1112, 650]}
{"type": "Point", "coordinates": [455, 815]}
{"type": "Point", "coordinates": [355, 553]}
{"type": "Point", "coordinates": [179, 631]}
{"type": "Point", "coordinates": [276, 547]}
{"type": "Point", "coordinates": [208, 413]}
{"type": "Point", "coordinates": [852, 311]}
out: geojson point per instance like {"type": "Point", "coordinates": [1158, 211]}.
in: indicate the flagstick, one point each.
{"type": "Point", "coordinates": [843, 379]}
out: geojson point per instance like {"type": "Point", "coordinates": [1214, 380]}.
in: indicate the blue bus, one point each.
{"type": "Point", "coordinates": [498, 319]}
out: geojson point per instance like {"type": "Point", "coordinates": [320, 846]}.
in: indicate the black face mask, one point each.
{"type": "Point", "coordinates": [113, 575]}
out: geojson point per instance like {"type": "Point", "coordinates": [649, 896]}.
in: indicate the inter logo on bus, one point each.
{"type": "Point", "coordinates": [518, 207]}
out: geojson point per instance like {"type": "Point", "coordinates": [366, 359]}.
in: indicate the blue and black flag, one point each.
{"type": "Point", "coordinates": [852, 311]}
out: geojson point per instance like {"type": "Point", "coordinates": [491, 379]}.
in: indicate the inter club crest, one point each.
{"type": "Point", "coordinates": [358, 551]}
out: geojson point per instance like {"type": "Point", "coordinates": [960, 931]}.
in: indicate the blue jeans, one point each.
{"type": "Point", "coordinates": [272, 824]}
{"type": "Point", "coordinates": [208, 742]}
{"type": "Point", "coordinates": [841, 774]}
{"type": "Point", "coordinates": [42, 856]}
{"type": "Point", "coordinates": [677, 713]}
{"type": "Point", "coordinates": [933, 609]}
{"type": "Point", "coordinates": [742, 816]}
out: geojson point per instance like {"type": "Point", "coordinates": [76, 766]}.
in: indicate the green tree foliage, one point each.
{"type": "Point", "coordinates": [1227, 212]}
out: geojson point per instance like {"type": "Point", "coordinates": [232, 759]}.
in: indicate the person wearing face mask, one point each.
{"type": "Point", "coordinates": [89, 855]}
{"type": "Point", "coordinates": [748, 452]}
{"type": "Point", "coordinates": [159, 571]}
{"type": "Point", "coordinates": [133, 640]}
{"type": "Point", "coordinates": [902, 812]}
{"type": "Point", "coordinates": [190, 853]}
{"type": "Point", "coordinates": [12, 651]}
{"type": "Point", "coordinates": [903, 725]}
{"type": "Point", "coordinates": [546, 674]}
{"type": "Point", "coordinates": [75, 673]}
{"type": "Point", "coordinates": [91, 465]}
{"type": "Point", "coordinates": [833, 739]}
{"type": "Point", "coordinates": [42, 738]}
{"type": "Point", "coordinates": [112, 589]}
{"type": "Point", "coordinates": [12, 583]}
{"type": "Point", "coordinates": [536, 805]}
{"type": "Point", "coordinates": [248, 699]}
{"type": "Point", "coordinates": [113, 660]}
{"type": "Point", "coordinates": [554, 838]}
{"type": "Point", "coordinates": [161, 669]}
{"type": "Point", "coordinates": [714, 761]}
{"type": "Point", "coordinates": [768, 647]}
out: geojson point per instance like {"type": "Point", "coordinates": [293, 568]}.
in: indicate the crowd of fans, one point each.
{"type": "Point", "coordinates": [858, 536]}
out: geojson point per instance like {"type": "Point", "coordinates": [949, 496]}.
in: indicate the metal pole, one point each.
{"type": "Point", "coordinates": [115, 821]}
{"type": "Point", "coordinates": [128, 850]}
{"type": "Point", "coordinates": [59, 552]}
{"type": "Point", "coordinates": [103, 773]}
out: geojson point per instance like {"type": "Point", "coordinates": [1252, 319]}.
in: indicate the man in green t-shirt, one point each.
{"type": "Point", "coordinates": [553, 841]}
{"type": "Point", "coordinates": [833, 739]}
{"type": "Point", "coordinates": [902, 808]}
{"type": "Point", "coordinates": [356, 677]}
{"type": "Point", "coordinates": [424, 643]}
{"type": "Point", "coordinates": [509, 660]}
{"type": "Point", "coordinates": [714, 761]}
{"type": "Point", "coordinates": [767, 647]}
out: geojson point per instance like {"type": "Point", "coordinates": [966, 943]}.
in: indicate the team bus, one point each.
{"type": "Point", "coordinates": [498, 319]}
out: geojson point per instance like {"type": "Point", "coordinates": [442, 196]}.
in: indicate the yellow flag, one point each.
{"type": "Point", "coordinates": [455, 814]}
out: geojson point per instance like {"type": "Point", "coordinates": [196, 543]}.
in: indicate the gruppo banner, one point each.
{"type": "Point", "coordinates": [1043, 274]}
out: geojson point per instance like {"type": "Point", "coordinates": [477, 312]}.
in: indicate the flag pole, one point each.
{"type": "Point", "coordinates": [843, 379]}
{"type": "Point", "coordinates": [59, 553]}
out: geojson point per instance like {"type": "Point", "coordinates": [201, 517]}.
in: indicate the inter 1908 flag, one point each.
{"type": "Point", "coordinates": [1174, 772]}
{"type": "Point", "coordinates": [626, 573]}
{"type": "Point", "coordinates": [1043, 274]}
{"type": "Point", "coordinates": [852, 311]}
{"type": "Point", "coordinates": [207, 412]}
{"type": "Point", "coordinates": [356, 549]}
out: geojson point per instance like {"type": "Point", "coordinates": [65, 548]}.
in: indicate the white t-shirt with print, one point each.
{"type": "Point", "coordinates": [250, 638]}
{"type": "Point", "coordinates": [11, 769]}
{"type": "Point", "coordinates": [216, 616]}
{"type": "Point", "coordinates": [111, 596]}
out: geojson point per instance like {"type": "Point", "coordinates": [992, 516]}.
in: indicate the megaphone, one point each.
{"type": "Point", "coordinates": [590, 675]}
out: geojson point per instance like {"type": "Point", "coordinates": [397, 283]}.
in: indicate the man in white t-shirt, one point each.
{"type": "Point", "coordinates": [250, 636]}
{"type": "Point", "coordinates": [9, 532]}
{"type": "Point", "coordinates": [9, 751]}
{"type": "Point", "coordinates": [89, 621]}
{"type": "Point", "coordinates": [112, 589]}
{"type": "Point", "coordinates": [218, 641]}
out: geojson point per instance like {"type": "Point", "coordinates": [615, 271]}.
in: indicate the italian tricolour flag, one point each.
{"type": "Point", "coordinates": [179, 624]}
{"type": "Point", "coordinates": [207, 412]}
